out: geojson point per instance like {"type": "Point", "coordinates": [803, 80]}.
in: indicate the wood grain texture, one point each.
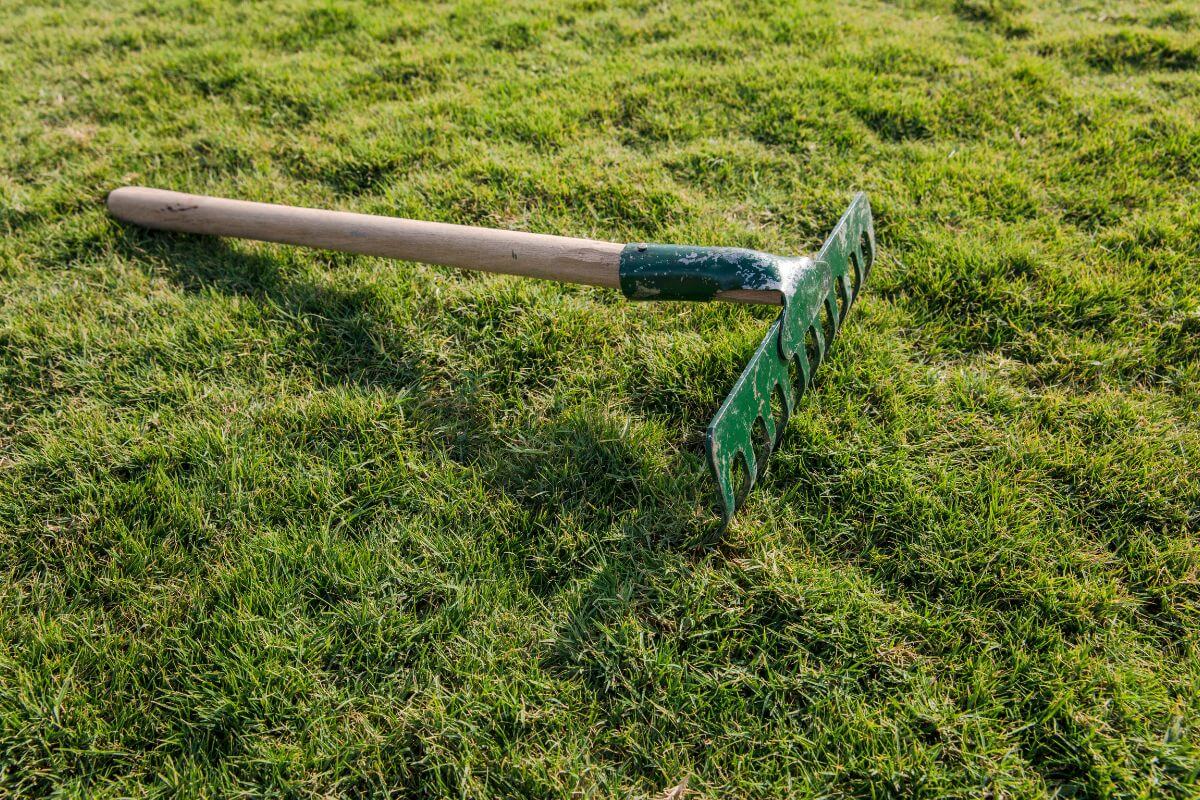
{"type": "Point", "coordinates": [534, 255]}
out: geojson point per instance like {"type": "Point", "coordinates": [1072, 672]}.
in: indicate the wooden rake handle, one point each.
{"type": "Point", "coordinates": [535, 255]}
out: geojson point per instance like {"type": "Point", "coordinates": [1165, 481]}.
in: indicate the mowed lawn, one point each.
{"type": "Point", "coordinates": [284, 523]}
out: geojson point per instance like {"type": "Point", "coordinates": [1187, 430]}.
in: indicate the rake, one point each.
{"type": "Point", "coordinates": [816, 292]}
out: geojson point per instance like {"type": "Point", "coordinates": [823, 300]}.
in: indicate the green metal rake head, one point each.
{"type": "Point", "coordinates": [816, 293]}
{"type": "Point", "coordinates": [813, 314]}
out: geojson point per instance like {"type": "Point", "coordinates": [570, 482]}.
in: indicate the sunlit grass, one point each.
{"type": "Point", "coordinates": [285, 523]}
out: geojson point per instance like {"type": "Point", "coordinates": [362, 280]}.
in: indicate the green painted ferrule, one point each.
{"type": "Point", "coordinates": [677, 272]}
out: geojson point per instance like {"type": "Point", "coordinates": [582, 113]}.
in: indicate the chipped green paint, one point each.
{"type": "Point", "coordinates": [800, 336]}
{"type": "Point", "coordinates": [677, 272]}
{"type": "Point", "coordinates": [782, 368]}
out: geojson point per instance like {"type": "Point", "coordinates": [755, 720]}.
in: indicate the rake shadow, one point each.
{"type": "Point", "coordinates": [583, 468]}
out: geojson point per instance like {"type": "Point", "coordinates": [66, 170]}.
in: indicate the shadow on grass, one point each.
{"type": "Point", "coordinates": [595, 513]}
{"type": "Point", "coordinates": [573, 465]}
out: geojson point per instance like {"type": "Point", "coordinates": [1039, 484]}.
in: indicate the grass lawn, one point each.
{"type": "Point", "coordinates": [285, 523]}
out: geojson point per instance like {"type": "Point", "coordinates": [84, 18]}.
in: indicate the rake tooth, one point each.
{"type": "Point", "coordinates": [729, 500]}
{"type": "Point", "coordinates": [819, 354]}
{"type": "Point", "coordinates": [765, 442]}
{"type": "Point", "coordinates": [788, 393]}
{"type": "Point", "coordinates": [782, 397]}
{"type": "Point", "coordinates": [842, 287]}
{"type": "Point", "coordinates": [801, 388]}
{"type": "Point", "coordinates": [760, 466]}
{"type": "Point", "coordinates": [859, 277]}
{"type": "Point", "coordinates": [747, 454]}
{"type": "Point", "coordinates": [806, 370]}
{"type": "Point", "coordinates": [768, 423]}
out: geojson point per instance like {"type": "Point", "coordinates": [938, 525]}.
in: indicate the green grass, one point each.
{"type": "Point", "coordinates": [285, 523]}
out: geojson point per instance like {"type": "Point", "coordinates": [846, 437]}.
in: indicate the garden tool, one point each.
{"type": "Point", "coordinates": [816, 292]}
